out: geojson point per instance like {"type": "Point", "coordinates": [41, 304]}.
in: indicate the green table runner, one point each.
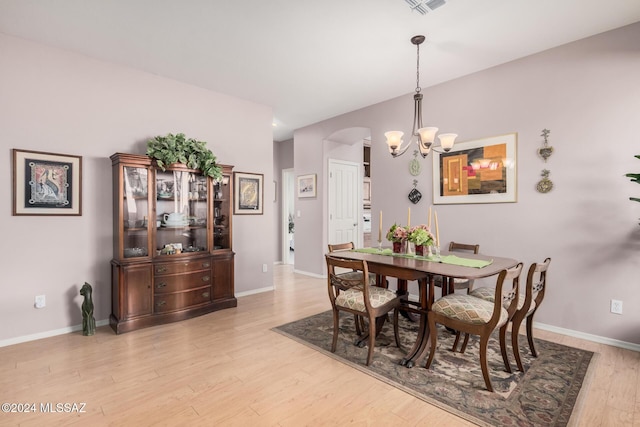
{"type": "Point", "coordinates": [445, 259]}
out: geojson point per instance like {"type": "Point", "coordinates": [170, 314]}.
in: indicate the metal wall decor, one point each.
{"type": "Point", "coordinates": [544, 185]}
{"type": "Point", "coordinates": [546, 150]}
{"type": "Point", "coordinates": [414, 194]}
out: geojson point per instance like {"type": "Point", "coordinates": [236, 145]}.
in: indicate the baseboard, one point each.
{"type": "Point", "coordinates": [255, 291]}
{"type": "Point", "coordinates": [306, 273]}
{"type": "Point", "coordinates": [48, 334]}
{"type": "Point", "coordinates": [588, 337]}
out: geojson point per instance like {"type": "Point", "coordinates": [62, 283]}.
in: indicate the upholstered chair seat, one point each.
{"type": "Point", "coordinates": [488, 294]}
{"type": "Point", "coordinates": [354, 300]}
{"type": "Point", "coordinates": [468, 309]}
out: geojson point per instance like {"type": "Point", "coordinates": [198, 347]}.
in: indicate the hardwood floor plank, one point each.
{"type": "Point", "coordinates": [228, 368]}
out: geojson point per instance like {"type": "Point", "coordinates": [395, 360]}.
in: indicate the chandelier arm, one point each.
{"type": "Point", "coordinates": [400, 151]}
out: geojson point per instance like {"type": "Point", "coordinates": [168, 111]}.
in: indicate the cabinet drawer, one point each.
{"type": "Point", "coordinates": [182, 267]}
{"type": "Point", "coordinates": [182, 282]}
{"type": "Point", "coordinates": [181, 300]}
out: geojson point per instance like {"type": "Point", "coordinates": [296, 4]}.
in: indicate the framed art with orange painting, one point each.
{"type": "Point", "coordinates": [478, 171]}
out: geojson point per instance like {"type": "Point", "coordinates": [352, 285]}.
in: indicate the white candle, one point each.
{"type": "Point", "coordinates": [435, 214]}
{"type": "Point", "coordinates": [429, 224]}
{"type": "Point", "coordinates": [380, 228]}
{"type": "Point", "coordinates": [409, 217]}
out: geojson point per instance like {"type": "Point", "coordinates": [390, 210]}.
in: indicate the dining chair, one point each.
{"type": "Point", "coordinates": [453, 283]}
{"type": "Point", "coordinates": [471, 315]}
{"type": "Point", "coordinates": [353, 294]}
{"type": "Point", "coordinates": [527, 306]}
{"type": "Point", "coordinates": [373, 278]}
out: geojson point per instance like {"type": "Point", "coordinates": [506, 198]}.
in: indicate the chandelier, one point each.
{"type": "Point", "coordinates": [423, 136]}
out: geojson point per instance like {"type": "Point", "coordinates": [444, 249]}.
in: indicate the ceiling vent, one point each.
{"type": "Point", "coordinates": [424, 6]}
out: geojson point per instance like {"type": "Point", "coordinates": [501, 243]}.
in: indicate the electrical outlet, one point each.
{"type": "Point", "coordinates": [41, 301]}
{"type": "Point", "coordinates": [616, 306]}
{"type": "Point", "coordinates": [264, 268]}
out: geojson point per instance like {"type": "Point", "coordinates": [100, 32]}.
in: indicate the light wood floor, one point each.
{"type": "Point", "coordinates": [228, 368]}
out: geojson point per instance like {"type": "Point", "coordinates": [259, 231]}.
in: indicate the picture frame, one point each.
{"type": "Point", "coordinates": [46, 183]}
{"type": "Point", "coordinates": [478, 171]}
{"type": "Point", "coordinates": [307, 186]}
{"type": "Point", "coordinates": [249, 193]}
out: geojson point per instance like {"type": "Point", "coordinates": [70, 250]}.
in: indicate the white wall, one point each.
{"type": "Point", "coordinates": [587, 94]}
{"type": "Point", "coordinates": [56, 101]}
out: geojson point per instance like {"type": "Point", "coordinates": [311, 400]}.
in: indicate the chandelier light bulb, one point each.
{"type": "Point", "coordinates": [447, 140]}
{"type": "Point", "coordinates": [394, 140]}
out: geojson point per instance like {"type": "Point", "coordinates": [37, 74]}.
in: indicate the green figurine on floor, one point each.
{"type": "Point", "coordinates": [88, 321]}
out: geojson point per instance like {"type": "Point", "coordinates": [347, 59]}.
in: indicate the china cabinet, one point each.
{"type": "Point", "coordinates": [172, 234]}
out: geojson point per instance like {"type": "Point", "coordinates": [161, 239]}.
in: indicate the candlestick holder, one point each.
{"type": "Point", "coordinates": [434, 252]}
{"type": "Point", "coordinates": [380, 245]}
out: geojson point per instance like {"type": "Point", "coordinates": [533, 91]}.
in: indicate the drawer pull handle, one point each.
{"type": "Point", "coordinates": [205, 294]}
{"type": "Point", "coordinates": [160, 303]}
{"type": "Point", "coordinates": [206, 264]}
{"type": "Point", "coordinates": [205, 278]}
{"type": "Point", "coordinates": [161, 269]}
{"type": "Point", "coordinates": [161, 285]}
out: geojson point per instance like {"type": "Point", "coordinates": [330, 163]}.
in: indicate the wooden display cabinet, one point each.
{"type": "Point", "coordinates": [172, 235]}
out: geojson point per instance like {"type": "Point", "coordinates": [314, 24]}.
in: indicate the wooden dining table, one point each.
{"type": "Point", "coordinates": [406, 269]}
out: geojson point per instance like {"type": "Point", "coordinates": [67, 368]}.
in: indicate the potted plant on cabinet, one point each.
{"type": "Point", "coordinates": [177, 148]}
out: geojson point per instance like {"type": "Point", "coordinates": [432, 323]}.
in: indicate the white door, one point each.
{"type": "Point", "coordinates": [345, 200]}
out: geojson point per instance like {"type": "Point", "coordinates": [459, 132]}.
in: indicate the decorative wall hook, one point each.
{"type": "Point", "coordinates": [544, 185]}
{"type": "Point", "coordinates": [545, 151]}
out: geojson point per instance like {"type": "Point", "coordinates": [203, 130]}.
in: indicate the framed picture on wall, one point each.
{"type": "Point", "coordinates": [307, 185]}
{"type": "Point", "coordinates": [249, 193]}
{"type": "Point", "coordinates": [46, 183]}
{"type": "Point", "coordinates": [479, 171]}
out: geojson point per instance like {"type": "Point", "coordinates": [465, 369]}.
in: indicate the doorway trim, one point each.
{"type": "Point", "coordinates": [287, 191]}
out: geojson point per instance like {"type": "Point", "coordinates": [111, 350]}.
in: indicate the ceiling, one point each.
{"type": "Point", "coordinates": [309, 60]}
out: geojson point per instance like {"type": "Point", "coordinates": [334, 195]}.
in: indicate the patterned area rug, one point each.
{"type": "Point", "coordinates": [544, 395]}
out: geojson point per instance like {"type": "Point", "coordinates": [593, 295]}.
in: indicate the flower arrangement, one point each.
{"type": "Point", "coordinates": [420, 235]}
{"type": "Point", "coordinates": [397, 233]}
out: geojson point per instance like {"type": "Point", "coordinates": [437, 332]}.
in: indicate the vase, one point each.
{"type": "Point", "coordinates": [400, 247]}
{"type": "Point", "coordinates": [419, 250]}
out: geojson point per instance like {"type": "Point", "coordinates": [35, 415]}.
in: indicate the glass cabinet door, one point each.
{"type": "Point", "coordinates": [182, 207]}
{"type": "Point", "coordinates": [221, 211]}
{"type": "Point", "coordinates": [135, 212]}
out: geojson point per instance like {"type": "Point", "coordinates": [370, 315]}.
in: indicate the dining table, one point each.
{"type": "Point", "coordinates": [423, 269]}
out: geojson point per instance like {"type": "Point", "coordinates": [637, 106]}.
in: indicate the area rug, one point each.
{"type": "Point", "coordinates": [544, 395]}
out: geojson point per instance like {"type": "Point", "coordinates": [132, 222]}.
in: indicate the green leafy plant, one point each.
{"type": "Point", "coordinates": [635, 177]}
{"type": "Point", "coordinates": [421, 236]}
{"type": "Point", "coordinates": [177, 148]}
{"type": "Point", "coordinates": [397, 233]}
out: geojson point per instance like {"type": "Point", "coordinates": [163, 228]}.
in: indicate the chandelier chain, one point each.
{"type": "Point", "coordinates": [418, 88]}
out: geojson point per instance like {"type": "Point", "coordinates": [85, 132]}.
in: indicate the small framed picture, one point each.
{"type": "Point", "coordinates": [249, 193]}
{"type": "Point", "coordinates": [46, 183]}
{"type": "Point", "coordinates": [307, 185]}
